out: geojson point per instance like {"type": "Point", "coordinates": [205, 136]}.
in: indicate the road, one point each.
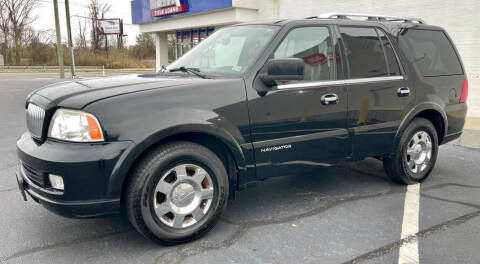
{"type": "Point", "coordinates": [349, 213]}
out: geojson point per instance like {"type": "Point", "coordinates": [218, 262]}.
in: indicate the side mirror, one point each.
{"type": "Point", "coordinates": [288, 69]}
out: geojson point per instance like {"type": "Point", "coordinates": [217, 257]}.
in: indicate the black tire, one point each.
{"type": "Point", "coordinates": [396, 166]}
{"type": "Point", "coordinates": [149, 171]}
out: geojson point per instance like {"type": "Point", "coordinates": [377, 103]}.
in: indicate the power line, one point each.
{"type": "Point", "coordinates": [89, 18]}
{"type": "Point", "coordinates": [61, 2]}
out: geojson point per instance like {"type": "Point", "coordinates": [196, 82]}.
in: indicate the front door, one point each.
{"type": "Point", "coordinates": [301, 125]}
{"type": "Point", "coordinates": [378, 93]}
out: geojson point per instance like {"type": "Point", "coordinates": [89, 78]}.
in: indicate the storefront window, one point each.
{"type": "Point", "coordinates": [195, 37]}
{"type": "Point", "coordinates": [185, 40]}
{"type": "Point", "coordinates": [203, 34]}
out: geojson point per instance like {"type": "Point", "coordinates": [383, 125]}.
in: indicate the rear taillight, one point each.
{"type": "Point", "coordinates": [464, 94]}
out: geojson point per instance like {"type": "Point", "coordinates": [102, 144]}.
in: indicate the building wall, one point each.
{"type": "Point", "coordinates": [141, 12]}
{"type": "Point", "coordinates": [461, 19]}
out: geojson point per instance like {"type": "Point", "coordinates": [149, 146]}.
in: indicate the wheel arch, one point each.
{"type": "Point", "coordinates": [219, 141]}
{"type": "Point", "coordinates": [430, 111]}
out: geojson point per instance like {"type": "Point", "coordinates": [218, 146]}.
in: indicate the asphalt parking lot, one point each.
{"type": "Point", "coordinates": [344, 214]}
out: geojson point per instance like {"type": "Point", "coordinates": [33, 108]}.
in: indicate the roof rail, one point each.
{"type": "Point", "coordinates": [370, 17]}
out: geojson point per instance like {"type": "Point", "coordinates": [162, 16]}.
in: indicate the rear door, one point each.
{"type": "Point", "coordinates": [378, 93]}
{"type": "Point", "coordinates": [296, 127]}
{"type": "Point", "coordinates": [437, 70]}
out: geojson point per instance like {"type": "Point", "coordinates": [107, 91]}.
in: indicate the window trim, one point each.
{"type": "Point", "coordinates": [397, 57]}
{"type": "Point", "coordinates": [375, 28]}
{"type": "Point", "coordinates": [340, 82]}
{"type": "Point", "coordinates": [384, 49]}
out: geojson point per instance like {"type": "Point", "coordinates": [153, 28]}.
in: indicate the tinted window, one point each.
{"type": "Point", "coordinates": [314, 46]}
{"type": "Point", "coordinates": [364, 52]}
{"type": "Point", "coordinates": [430, 51]}
{"type": "Point", "coordinates": [392, 63]}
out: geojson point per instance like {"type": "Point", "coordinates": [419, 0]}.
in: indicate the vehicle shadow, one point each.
{"type": "Point", "coordinates": [294, 194]}
{"type": "Point", "coordinates": [279, 199]}
{"type": "Point", "coordinates": [288, 199]}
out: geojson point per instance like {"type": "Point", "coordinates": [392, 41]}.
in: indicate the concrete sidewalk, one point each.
{"type": "Point", "coordinates": [471, 134]}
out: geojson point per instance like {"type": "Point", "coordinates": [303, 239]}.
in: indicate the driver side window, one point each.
{"type": "Point", "coordinates": [314, 46]}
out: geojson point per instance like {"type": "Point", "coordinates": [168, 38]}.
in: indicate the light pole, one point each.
{"type": "Point", "coordinates": [70, 42]}
{"type": "Point", "coordinates": [59, 40]}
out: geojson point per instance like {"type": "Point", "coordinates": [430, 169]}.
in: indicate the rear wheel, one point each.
{"type": "Point", "coordinates": [415, 154]}
{"type": "Point", "coordinates": [177, 193]}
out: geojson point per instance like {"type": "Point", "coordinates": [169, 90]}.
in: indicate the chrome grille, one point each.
{"type": "Point", "coordinates": [35, 117]}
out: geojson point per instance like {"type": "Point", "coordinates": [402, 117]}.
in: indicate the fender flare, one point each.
{"type": "Point", "coordinates": [120, 172]}
{"type": "Point", "coordinates": [414, 112]}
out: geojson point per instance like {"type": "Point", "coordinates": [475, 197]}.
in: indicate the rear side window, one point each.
{"type": "Point", "coordinates": [369, 53]}
{"type": "Point", "coordinates": [430, 51]}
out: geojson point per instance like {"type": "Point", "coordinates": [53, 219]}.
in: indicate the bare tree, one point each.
{"type": "Point", "coordinates": [19, 14]}
{"type": "Point", "coordinates": [32, 36]}
{"type": "Point", "coordinates": [81, 39]}
{"type": "Point", "coordinates": [40, 46]}
{"type": "Point", "coordinates": [98, 9]}
{"type": "Point", "coordinates": [4, 29]}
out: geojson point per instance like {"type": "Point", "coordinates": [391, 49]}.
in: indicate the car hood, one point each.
{"type": "Point", "coordinates": [79, 93]}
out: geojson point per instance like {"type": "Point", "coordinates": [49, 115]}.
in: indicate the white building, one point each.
{"type": "Point", "coordinates": [180, 24]}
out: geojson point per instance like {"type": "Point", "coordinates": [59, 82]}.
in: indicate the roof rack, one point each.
{"type": "Point", "coordinates": [370, 17]}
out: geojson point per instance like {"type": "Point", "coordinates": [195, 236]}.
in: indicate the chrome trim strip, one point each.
{"type": "Point", "coordinates": [339, 82]}
{"type": "Point", "coordinates": [310, 84]}
{"type": "Point", "coordinates": [374, 79]}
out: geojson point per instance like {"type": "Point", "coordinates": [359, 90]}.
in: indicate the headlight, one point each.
{"type": "Point", "coordinates": [73, 125]}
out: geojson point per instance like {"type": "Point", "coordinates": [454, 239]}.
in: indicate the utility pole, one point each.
{"type": "Point", "coordinates": [70, 42]}
{"type": "Point", "coordinates": [59, 40]}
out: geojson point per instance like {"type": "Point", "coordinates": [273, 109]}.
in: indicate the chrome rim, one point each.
{"type": "Point", "coordinates": [419, 152]}
{"type": "Point", "coordinates": [183, 196]}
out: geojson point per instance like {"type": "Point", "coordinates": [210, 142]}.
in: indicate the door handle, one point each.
{"type": "Point", "coordinates": [403, 91]}
{"type": "Point", "coordinates": [329, 99]}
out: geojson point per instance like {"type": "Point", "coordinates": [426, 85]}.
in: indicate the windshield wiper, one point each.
{"type": "Point", "coordinates": [195, 71]}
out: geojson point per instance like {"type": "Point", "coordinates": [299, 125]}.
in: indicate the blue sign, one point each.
{"type": "Point", "coordinates": [168, 7]}
{"type": "Point", "coordinates": [143, 12]}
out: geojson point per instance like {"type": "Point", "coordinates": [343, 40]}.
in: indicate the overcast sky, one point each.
{"type": "Point", "coordinates": [120, 9]}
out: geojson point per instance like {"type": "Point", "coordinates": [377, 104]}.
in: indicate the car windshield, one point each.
{"type": "Point", "coordinates": [229, 51]}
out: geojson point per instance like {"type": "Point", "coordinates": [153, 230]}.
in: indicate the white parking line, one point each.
{"type": "Point", "coordinates": [408, 253]}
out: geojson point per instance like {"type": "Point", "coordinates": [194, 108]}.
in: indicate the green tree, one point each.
{"type": "Point", "coordinates": [145, 46]}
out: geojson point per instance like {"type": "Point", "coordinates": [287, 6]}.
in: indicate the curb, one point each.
{"type": "Point", "coordinates": [472, 123]}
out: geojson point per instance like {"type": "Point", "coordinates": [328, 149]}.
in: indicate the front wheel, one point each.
{"type": "Point", "coordinates": [415, 154]}
{"type": "Point", "coordinates": [177, 193]}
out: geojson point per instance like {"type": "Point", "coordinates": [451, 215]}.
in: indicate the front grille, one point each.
{"type": "Point", "coordinates": [35, 117]}
{"type": "Point", "coordinates": [35, 176]}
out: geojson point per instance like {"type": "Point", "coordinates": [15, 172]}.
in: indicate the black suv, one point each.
{"type": "Point", "coordinates": [250, 102]}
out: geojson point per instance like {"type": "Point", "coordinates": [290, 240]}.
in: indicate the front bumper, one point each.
{"type": "Point", "coordinates": [85, 168]}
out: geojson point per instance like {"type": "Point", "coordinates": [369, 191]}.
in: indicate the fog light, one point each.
{"type": "Point", "coordinates": [56, 182]}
